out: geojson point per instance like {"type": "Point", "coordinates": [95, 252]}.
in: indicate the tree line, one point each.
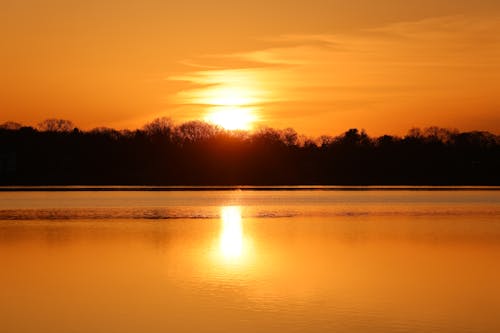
{"type": "Point", "coordinates": [198, 153]}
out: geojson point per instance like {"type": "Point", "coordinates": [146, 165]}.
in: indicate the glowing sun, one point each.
{"type": "Point", "coordinates": [231, 99]}
{"type": "Point", "coordinates": [231, 108]}
{"type": "Point", "coordinates": [232, 117]}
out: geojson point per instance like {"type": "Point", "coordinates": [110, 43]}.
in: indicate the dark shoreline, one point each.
{"type": "Point", "coordinates": [72, 188]}
{"type": "Point", "coordinates": [196, 154]}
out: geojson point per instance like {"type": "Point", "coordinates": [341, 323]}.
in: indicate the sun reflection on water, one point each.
{"type": "Point", "coordinates": [231, 236]}
{"type": "Point", "coordinates": [234, 245]}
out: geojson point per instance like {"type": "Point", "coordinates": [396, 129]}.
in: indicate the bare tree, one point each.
{"type": "Point", "coordinates": [290, 137]}
{"type": "Point", "coordinates": [11, 125]}
{"type": "Point", "coordinates": [159, 127]}
{"type": "Point", "coordinates": [56, 125]}
{"type": "Point", "coordinates": [197, 130]}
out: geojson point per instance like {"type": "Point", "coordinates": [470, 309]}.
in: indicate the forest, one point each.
{"type": "Point", "coordinates": [197, 153]}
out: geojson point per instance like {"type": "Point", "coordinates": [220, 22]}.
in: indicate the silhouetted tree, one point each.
{"type": "Point", "coordinates": [290, 137]}
{"type": "Point", "coordinates": [160, 127]}
{"type": "Point", "coordinates": [56, 125]}
{"type": "Point", "coordinates": [11, 125]}
{"type": "Point", "coordinates": [197, 153]}
{"type": "Point", "coordinates": [195, 130]}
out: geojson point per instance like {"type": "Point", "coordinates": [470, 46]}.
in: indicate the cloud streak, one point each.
{"type": "Point", "coordinates": [433, 71]}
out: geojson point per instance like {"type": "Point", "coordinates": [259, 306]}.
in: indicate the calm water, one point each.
{"type": "Point", "coordinates": [250, 261]}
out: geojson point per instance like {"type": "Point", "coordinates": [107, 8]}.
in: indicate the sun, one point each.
{"type": "Point", "coordinates": [231, 107]}
{"type": "Point", "coordinates": [232, 117]}
{"type": "Point", "coordinates": [231, 99]}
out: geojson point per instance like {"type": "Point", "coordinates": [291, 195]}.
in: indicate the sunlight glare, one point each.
{"type": "Point", "coordinates": [230, 99]}
{"type": "Point", "coordinates": [229, 96]}
{"type": "Point", "coordinates": [232, 117]}
{"type": "Point", "coordinates": [231, 238]}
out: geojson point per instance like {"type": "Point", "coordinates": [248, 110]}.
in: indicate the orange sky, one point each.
{"type": "Point", "coordinates": [318, 66]}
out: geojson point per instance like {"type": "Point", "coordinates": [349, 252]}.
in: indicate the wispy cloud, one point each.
{"type": "Point", "coordinates": [419, 71]}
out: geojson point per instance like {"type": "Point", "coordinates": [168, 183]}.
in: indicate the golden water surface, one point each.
{"type": "Point", "coordinates": [250, 261]}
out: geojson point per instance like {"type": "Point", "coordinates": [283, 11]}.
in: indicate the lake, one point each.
{"type": "Point", "coordinates": [320, 259]}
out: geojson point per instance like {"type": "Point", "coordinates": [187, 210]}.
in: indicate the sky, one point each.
{"type": "Point", "coordinates": [318, 66]}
